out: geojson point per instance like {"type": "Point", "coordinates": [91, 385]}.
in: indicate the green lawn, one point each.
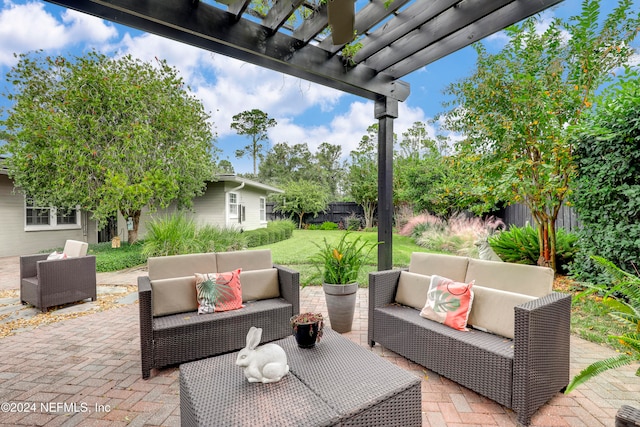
{"type": "Point", "coordinates": [296, 252]}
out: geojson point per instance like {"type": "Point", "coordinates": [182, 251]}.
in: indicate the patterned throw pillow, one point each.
{"type": "Point", "coordinates": [448, 302]}
{"type": "Point", "coordinates": [218, 291]}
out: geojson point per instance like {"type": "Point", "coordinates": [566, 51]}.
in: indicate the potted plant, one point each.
{"type": "Point", "coordinates": [338, 266]}
{"type": "Point", "coordinates": [627, 305]}
{"type": "Point", "coordinates": [307, 328]}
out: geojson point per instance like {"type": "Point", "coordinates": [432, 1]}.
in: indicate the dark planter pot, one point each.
{"type": "Point", "coordinates": [306, 334]}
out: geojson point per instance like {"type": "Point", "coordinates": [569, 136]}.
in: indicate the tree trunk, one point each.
{"type": "Point", "coordinates": [132, 234]}
{"type": "Point", "coordinates": [369, 209]}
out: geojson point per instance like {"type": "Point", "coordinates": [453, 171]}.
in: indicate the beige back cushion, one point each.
{"type": "Point", "coordinates": [449, 266]}
{"type": "Point", "coordinates": [246, 260]}
{"type": "Point", "coordinates": [175, 295]}
{"type": "Point", "coordinates": [493, 310]}
{"type": "Point", "coordinates": [259, 284]}
{"type": "Point", "coordinates": [75, 248]}
{"type": "Point", "coordinates": [167, 267]}
{"type": "Point", "coordinates": [412, 289]}
{"type": "Point", "coordinates": [518, 278]}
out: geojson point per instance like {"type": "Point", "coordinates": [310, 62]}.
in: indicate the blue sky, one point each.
{"type": "Point", "coordinates": [305, 112]}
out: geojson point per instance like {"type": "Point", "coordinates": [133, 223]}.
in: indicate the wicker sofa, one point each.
{"type": "Point", "coordinates": [516, 353]}
{"type": "Point", "coordinates": [172, 332]}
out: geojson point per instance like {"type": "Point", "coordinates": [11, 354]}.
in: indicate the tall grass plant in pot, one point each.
{"type": "Point", "coordinates": [338, 266]}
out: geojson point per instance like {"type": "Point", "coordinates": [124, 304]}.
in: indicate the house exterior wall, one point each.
{"type": "Point", "coordinates": [18, 241]}
{"type": "Point", "coordinates": [211, 208]}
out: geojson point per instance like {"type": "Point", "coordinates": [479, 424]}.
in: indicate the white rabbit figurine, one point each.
{"type": "Point", "coordinates": [267, 364]}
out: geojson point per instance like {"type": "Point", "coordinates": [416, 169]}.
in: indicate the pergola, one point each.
{"type": "Point", "coordinates": [291, 36]}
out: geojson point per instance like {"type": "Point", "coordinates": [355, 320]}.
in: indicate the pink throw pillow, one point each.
{"type": "Point", "coordinates": [448, 302]}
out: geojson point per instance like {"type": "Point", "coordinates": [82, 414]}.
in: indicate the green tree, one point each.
{"type": "Point", "coordinates": [225, 166]}
{"type": "Point", "coordinates": [253, 123]}
{"type": "Point", "coordinates": [607, 189]}
{"type": "Point", "coordinates": [284, 163]}
{"type": "Point", "coordinates": [105, 134]}
{"type": "Point", "coordinates": [517, 110]}
{"type": "Point", "coordinates": [327, 160]}
{"type": "Point", "coordinates": [362, 178]}
{"type": "Point", "coordinates": [300, 198]}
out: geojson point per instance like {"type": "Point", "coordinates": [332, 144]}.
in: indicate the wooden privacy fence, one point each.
{"type": "Point", "coordinates": [336, 212]}
{"type": "Point", "coordinates": [517, 215]}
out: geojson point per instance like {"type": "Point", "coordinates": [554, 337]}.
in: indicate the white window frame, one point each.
{"type": "Point", "coordinates": [263, 209]}
{"type": "Point", "coordinates": [53, 219]}
{"type": "Point", "coordinates": [233, 203]}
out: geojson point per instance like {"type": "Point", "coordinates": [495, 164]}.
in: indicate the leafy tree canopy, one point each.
{"type": "Point", "coordinates": [105, 134]}
{"type": "Point", "coordinates": [255, 124]}
{"type": "Point", "coordinates": [516, 111]}
{"type": "Point", "coordinates": [302, 197]}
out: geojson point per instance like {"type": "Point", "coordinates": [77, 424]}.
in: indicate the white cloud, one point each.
{"type": "Point", "coordinates": [346, 129]}
{"type": "Point", "coordinates": [28, 26]}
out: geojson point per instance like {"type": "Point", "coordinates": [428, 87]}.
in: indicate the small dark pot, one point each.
{"type": "Point", "coordinates": [306, 334]}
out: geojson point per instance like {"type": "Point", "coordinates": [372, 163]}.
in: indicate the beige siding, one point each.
{"type": "Point", "coordinates": [210, 208]}
{"type": "Point", "coordinates": [250, 199]}
{"type": "Point", "coordinates": [17, 241]}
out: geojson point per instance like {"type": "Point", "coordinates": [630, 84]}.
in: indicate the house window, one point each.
{"type": "Point", "coordinates": [233, 205]}
{"type": "Point", "coordinates": [47, 218]}
{"type": "Point", "coordinates": [263, 209]}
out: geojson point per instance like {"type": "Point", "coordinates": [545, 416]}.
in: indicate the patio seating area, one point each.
{"type": "Point", "coordinates": [86, 371]}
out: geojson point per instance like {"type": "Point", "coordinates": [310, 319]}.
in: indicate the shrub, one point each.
{"type": "Point", "coordinates": [275, 231]}
{"type": "Point", "coordinates": [211, 238]}
{"type": "Point", "coordinates": [176, 234]}
{"type": "Point", "coordinates": [328, 225]}
{"type": "Point", "coordinates": [353, 222]}
{"type": "Point", "coordinates": [457, 235]}
{"type": "Point", "coordinates": [419, 224]}
{"type": "Point", "coordinates": [114, 259]}
{"type": "Point", "coordinates": [170, 235]}
{"type": "Point", "coordinates": [520, 245]}
{"type": "Point", "coordinates": [607, 188]}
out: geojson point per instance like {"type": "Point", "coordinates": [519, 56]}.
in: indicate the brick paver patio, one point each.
{"type": "Point", "coordinates": [86, 372]}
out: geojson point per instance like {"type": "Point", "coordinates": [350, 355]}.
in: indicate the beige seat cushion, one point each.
{"type": "Point", "coordinates": [246, 260]}
{"type": "Point", "coordinates": [449, 266]}
{"type": "Point", "coordinates": [259, 284]}
{"type": "Point", "coordinates": [518, 278]}
{"type": "Point", "coordinates": [167, 267]}
{"type": "Point", "coordinates": [174, 295]}
{"type": "Point", "coordinates": [412, 289]}
{"type": "Point", "coordinates": [493, 310]}
{"type": "Point", "coordinates": [75, 248]}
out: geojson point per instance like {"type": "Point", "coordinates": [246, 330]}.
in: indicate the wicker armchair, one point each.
{"type": "Point", "coordinates": [47, 283]}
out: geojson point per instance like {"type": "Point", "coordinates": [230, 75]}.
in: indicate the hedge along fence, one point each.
{"type": "Point", "coordinates": [336, 212]}
{"type": "Point", "coordinates": [275, 231]}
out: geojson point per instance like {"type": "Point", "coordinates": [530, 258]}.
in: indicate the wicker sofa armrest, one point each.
{"type": "Point", "coordinates": [382, 291]}
{"type": "Point", "coordinates": [289, 282]}
{"type": "Point", "coordinates": [29, 264]}
{"type": "Point", "coordinates": [146, 324]}
{"type": "Point", "coordinates": [541, 352]}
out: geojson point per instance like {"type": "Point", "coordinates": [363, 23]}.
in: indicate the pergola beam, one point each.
{"type": "Point", "coordinates": [218, 31]}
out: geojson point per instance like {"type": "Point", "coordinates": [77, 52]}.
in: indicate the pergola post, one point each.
{"type": "Point", "coordinates": [386, 109]}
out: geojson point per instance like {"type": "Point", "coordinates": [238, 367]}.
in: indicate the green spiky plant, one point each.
{"type": "Point", "coordinates": [339, 263]}
{"type": "Point", "coordinates": [626, 287]}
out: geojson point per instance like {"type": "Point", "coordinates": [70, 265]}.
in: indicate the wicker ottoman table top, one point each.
{"type": "Point", "coordinates": [336, 382]}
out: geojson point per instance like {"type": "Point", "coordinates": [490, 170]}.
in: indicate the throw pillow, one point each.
{"type": "Point", "coordinates": [218, 291]}
{"type": "Point", "coordinates": [57, 255]}
{"type": "Point", "coordinates": [448, 302]}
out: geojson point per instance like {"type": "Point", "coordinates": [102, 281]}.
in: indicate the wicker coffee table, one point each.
{"type": "Point", "coordinates": [335, 383]}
